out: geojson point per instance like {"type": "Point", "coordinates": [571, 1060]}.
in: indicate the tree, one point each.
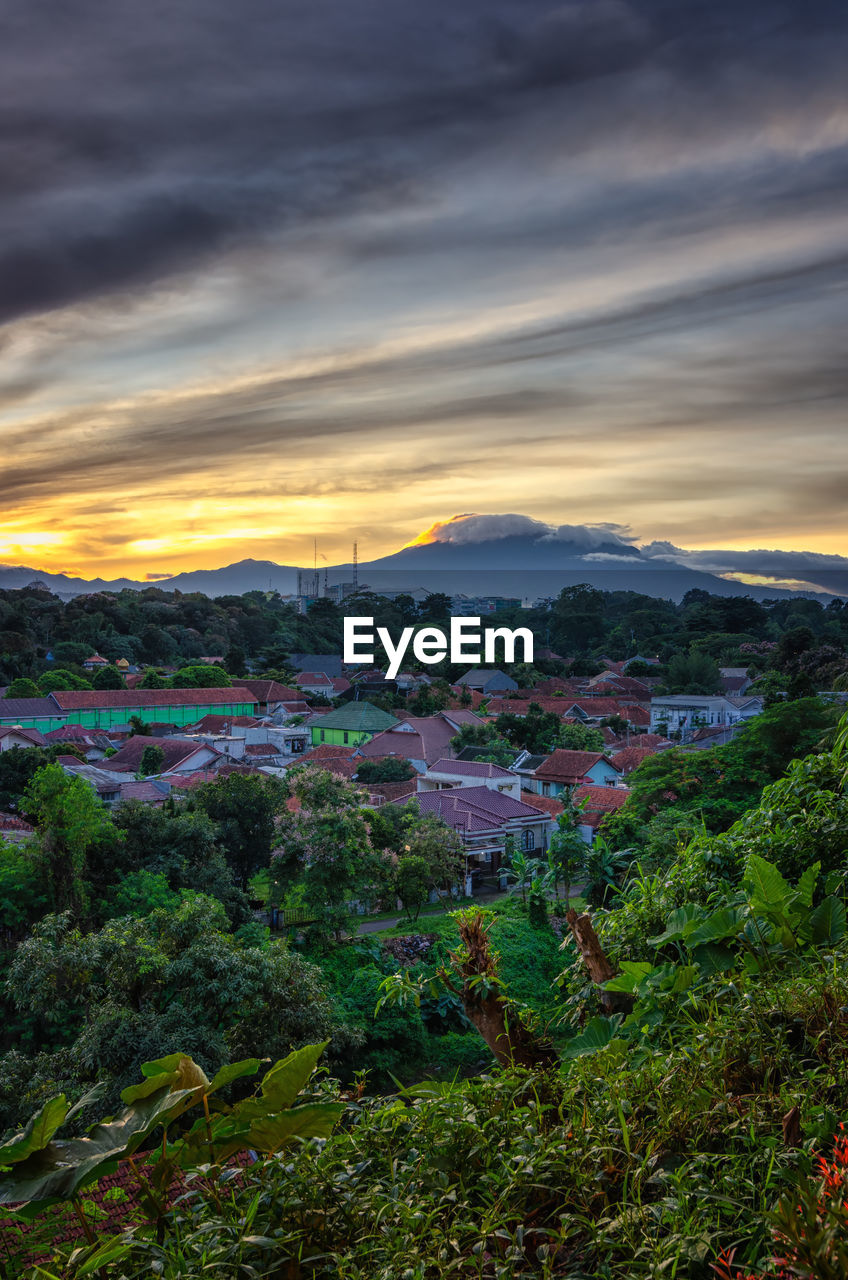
{"type": "Point", "coordinates": [23, 893]}
{"type": "Point", "coordinates": [152, 760]}
{"type": "Point", "coordinates": [567, 847]}
{"type": "Point", "coordinates": [109, 678]}
{"type": "Point", "coordinates": [391, 769]}
{"type": "Point", "coordinates": [23, 688]}
{"type": "Point", "coordinates": [174, 980]}
{"type": "Point", "coordinates": [153, 679]}
{"type": "Point", "coordinates": [181, 844]}
{"type": "Point", "coordinates": [243, 808]}
{"type": "Point", "coordinates": [202, 676]}
{"type": "Point", "coordinates": [140, 728]}
{"type": "Point", "coordinates": [70, 819]}
{"type": "Point", "coordinates": [693, 672]}
{"type": "Point", "coordinates": [235, 660]}
{"type": "Point", "coordinates": [17, 769]}
{"type": "Point", "coordinates": [61, 679]}
{"type": "Point", "coordinates": [440, 849]}
{"type": "Point", "coordinates": [325, 846]}
{"type": "Point", "coordinates": [536, 731]}
{"type": "Point", "coordinates": [412, 884]}
{"type": "Point", "coordinates": [579, 737]}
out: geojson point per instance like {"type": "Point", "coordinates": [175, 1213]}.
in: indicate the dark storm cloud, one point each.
{"type": "Point", "coordinates": [138, 145]}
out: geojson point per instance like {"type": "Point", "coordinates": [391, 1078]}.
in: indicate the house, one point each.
{"type": "Point", "coordinates": [329, 663]}
{"type": "Point", "coordinates": [321, 684]}
{"type": "Point", "coordinates": [682, 713]}
{"type": "Point", "coordinates": [484, 819]}
{"type": "Point", "coordinates": [469, 773]}
{"type": "Point", "coordinates": [630, 758]}
{"type": "Point", "coordinates": [270, 695]}
{"type": "Point", "coordinates": [14, 829]}
{"type": "Point", "coordinates": [525, 765]}
{"type": "Point", "coordinates": [735, 681]}
{"type": "Point", "coordinates": [487, 680]}
{"type": "Point", "coordinates": [597, 803]}
{"type": "Point", "coordinates": [351, 724]}
{"type": "Point", "coordinates": [115, 785]}
{"type": "Point", "coordinates": [106, 708]}
{"type": "Point", "coordinates": [95, 663]}
{"type": "Point", "coordinates": [181, 755]}
{"type": "Point", "coordinates": [564, 769]}
{"type": "Point", "coordinates": [422, 740]}
{"type": "Point", "coordinates": [14, 736]}
{"type": "Point", "coordinates": [93, 744]}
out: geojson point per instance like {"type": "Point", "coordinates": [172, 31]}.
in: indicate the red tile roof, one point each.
{"type": "Point", "coordinates": [474, 810]}
{"type": "Point", "coordinates": [215, 723]}
{"type": "Point", "coordinates": [570, 767]}
{"type": "Point", "coordinates": [175, 750]}
{"type": "Point", "coordinates": [326, 751]}
{"type": "Point", "coordinates": [93, 699]}
{"type": "Point", "coordinates": [631, 757]}
{"type": "Point", "coordinates": [548, 804]}
{"type": "Point", "coordinates": [599, 802]}
{"type": "Point", "coordinates": [470, 768]}
{"type": "Point", "coordinates": [269, 690]}
{"type": "Point", "coordinates": [11, 822]}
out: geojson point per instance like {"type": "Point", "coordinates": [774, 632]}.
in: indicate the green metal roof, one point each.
{"type": "Point", "coordinates": [361, 717]}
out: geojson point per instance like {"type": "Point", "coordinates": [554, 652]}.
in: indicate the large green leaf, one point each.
{"type": "Point", "coordinates": [712, 958]}
{"type": "Point", "coordinates": [719, 925]}
{"type": "Point", "coordinates": [765, 881]}
{"type": "Point", "coordinates": [806, 885]}
{"type": "Point", "coordinates": [827, 922]}
{"type": "Point", "coordinates": [37, 1133]}
{"type": "Point", "coordinates": [680, 923]}
{"type": "Point", "coordinates": [188, 1074]}
{"type": "Point", "coordinates": [234, 1071]}
{"type": "Point", "coordinates": [281, 1085]}
{"type": "Point", "coordinates": [633, 973]}
{"type": "Point", "coordinates": [596, 1035]}
{"type": "Point", "coordinates": [313, 1120]}
{"type": "Point", "coordinates": [61, 1168]}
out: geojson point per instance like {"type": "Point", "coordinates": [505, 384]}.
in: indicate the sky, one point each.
{"type": "Point", "coordinates": [272, 272]}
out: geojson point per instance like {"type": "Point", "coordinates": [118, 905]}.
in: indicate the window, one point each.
{"type": "Point", "coordinates": [546, 788]}
{"type": "Point", "coordinates": [528, 841]}
{"type": "Point", "coordinates": [323, 734]}
{"type": "Point", "coordinates": [345, 737]}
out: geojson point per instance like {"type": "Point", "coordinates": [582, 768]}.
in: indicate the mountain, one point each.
{"type": "Point", "coordinates": [509, 555]}
{"type": "Point", "coordinates": [233, 579]}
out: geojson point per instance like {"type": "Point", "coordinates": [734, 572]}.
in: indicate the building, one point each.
{"type": "Point", "coordinates": [17, 737]}
{"type": "Point", "coordinates": [597, 803]}
{"type": "Point", "coordinates": [484, 819]}
{"type": "Point", "coordinates": [422, 740]}
{"type": "Point", "coordinates": [349, 725]}
{"type": "Point", "coordinates": [270, 695]}
{"type": "Point", "coordinates": [445, 774]}
{"type": "Point", "coordinates": [683, 713]}
{"type": "Point", "coordinates": [564, 769]}
{"type": "Point", "coordinates": [103, 709]}
{"type": "Point", "coordinates": [487, 680]}
{"type": "Point", "coordinates": [320, 684]}
{"type": "Point", "coordinates": [181, 755]}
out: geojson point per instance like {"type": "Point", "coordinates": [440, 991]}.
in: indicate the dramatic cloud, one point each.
{"type": "Point", "coordinates": [269, 272]}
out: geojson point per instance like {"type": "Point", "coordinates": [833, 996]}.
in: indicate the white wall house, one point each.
{"type": "Point", "coordinates": [470, 773]}
{"type": "Point", "coordinates": [684, 712]}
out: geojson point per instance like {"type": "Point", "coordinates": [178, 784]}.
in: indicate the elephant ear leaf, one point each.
{"type": "Point", "coordinates": [765, 881]}
{"type": "Point", "coordinates": [37, 1133]}
{"type": "Point", "coordinates": [313, 1120]}
{"type": "Point", "coordinates": [807, 883]}
{"type": "Point", "coordinates": [281, 1085]}
{"type": "Point", "coordinates": [59, 1169]}
{"type": "Point", "coordinates": [827, 923]}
